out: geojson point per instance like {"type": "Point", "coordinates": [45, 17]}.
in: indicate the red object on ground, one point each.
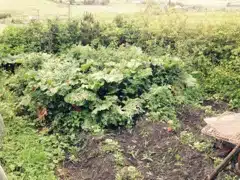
{"type": "Point", "coordinates": [169, 129]}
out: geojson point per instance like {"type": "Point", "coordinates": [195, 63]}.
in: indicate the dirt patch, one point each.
{"type": "Point", "coordinates": [156, 153]}
{"type": "Point", "coordinates": [192, 118]}
{"type": "Point", "coordinates": [159, 154]}
{"type": "Point", "coordinates": [92, 164]}
{"type": "Point", "coordinates": [217, 106]}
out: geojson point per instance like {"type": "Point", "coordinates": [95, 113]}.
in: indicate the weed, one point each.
{"type": "Point", "coordinates": [119, 158]}
{"type": "Point", "coordinates": [144, 133]}
{"type": "Point", "coordinates": [133, 151]}
{"type": "Point", "coordinates": [25, 154]}
{"type": "Point", "coordinates": [229, 177]}
{"type": "Point", "coordinates": [217, 161]}
{"type": "Point", "coordinates": [130, 173]}
{"type": "Point", "coordinates": [189, 139]}
{"type": "Point", "coordinates": [111, 146]}
{"type": "Point", "coordinates": [123, 171]}
{"type": "Point", "coordinates": [148, 156]}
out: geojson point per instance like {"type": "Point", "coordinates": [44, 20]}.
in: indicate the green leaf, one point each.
{"type": "Point", "coordinates": [80, 97]}
{"type": "Point", "coordinates": [105, 104]}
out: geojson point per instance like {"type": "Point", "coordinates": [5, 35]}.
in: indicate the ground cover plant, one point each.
{"type": "Point", "coordinates": [25, 154]}
{"type": "Point", "coordinates": [61, 80]}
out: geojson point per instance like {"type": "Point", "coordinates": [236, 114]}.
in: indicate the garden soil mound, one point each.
{"type": "Point", "coordinates": [155, 152]}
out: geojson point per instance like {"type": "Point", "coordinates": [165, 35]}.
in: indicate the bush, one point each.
{"type": "Point", "coordinates": [104, 87]}
{"type": "Point", "coordinates": [160, 102]}
{"type": "Point", "coordinates": [223, 82]}
{"type": "Point", "coordinates": [5, 15]}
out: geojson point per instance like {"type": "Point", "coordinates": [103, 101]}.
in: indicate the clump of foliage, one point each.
{"type": "Point", "coordinates": [92, 88]}
{"type": "Point", "coordinates": [129, 172]}
{"type": "Point", "coordinates": [188, 138]}
{"type": "Point", "coordinates": [86, 75]}
{"type": "Point", "coordinates": [25, 154]}
{"type": "Point", "coordinates": [89, 89]}
{"type": "Point", "coordinates": [161, 103]}
{"type": "Point", "coordinates": [51, 37]}
{"type": "Point", "coordinates": [223, 82]}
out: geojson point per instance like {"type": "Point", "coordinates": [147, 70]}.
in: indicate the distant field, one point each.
{"type": "Point", "coordinates": [26, 9]}
{"type": "Point", "coordinates": [48, 9]}
{"type": "Point", "coordinates": [44, 9]}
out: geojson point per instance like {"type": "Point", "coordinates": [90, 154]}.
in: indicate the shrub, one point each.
{"type": "Point", "coordinates": [25, 154]}
{"type": "Point", "coordinates": [24, 67]}
{"type": "Point", "coordinates": [102, 87]}
{"type": "Point", "coordinates": [160, 102]}
{"type": "Point", "coordinates": [5, 15]}
{"type": "Point", "coordinates": [223, 82]}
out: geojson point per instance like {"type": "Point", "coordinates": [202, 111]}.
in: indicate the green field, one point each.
{"type": "Point", "coordinates": [24, 11]}
{"type": "Point", "coordinates": [48, 9]}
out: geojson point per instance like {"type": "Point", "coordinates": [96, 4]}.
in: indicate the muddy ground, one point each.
{"type": "Point", "coordinates": [156, 153]}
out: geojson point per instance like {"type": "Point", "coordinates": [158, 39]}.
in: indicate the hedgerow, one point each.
{"type": "Point", "coordinates": [202, 49]}
{"type": "Point", "coordinates": [223, 82]}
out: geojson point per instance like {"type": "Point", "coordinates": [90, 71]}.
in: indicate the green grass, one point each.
{"type": "Point", "coordinates": [25, 154]}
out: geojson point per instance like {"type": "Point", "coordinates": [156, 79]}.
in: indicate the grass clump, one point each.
{"type": "Point", "coordinates": [122, 170]}
{"type": "Point", "coordinates": [188, 138]}
{"type": "Point", "coordinates": [25, 154]}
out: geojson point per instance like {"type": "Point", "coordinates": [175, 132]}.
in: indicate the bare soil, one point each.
{"type": "Point", "coordinates": [155, 152]}
{"type": "Point", "coordinates": [92, 163]}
